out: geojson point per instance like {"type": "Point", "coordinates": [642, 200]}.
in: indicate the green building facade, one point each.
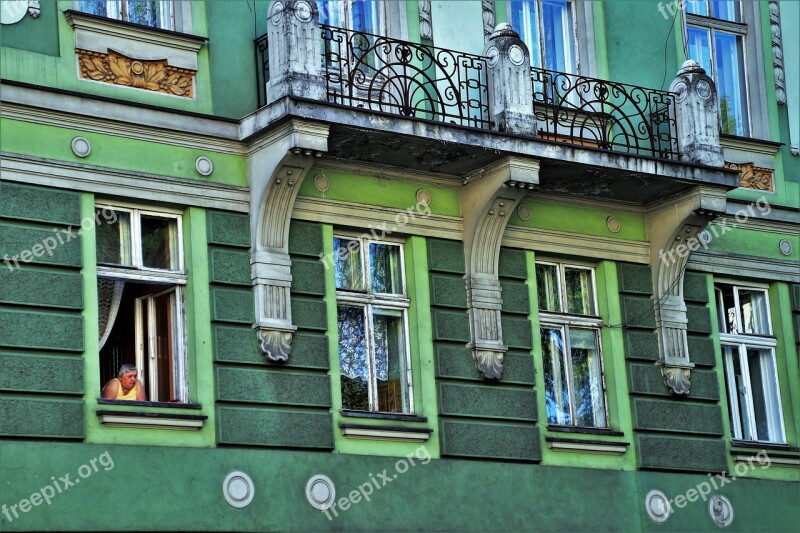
{"type": "Point", "coordinates": [399, 265]}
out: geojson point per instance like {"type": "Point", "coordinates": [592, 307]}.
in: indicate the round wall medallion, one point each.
{"type": "Point", "coordinates": [302, 10]}
{"type": "Point", "coordinates": [785, 247]}
{"type": "Point", "coordinates": [320, 492]}
{"type": "Point", "coordinates": [657, 506]}
{"type": "Point", "coordinates": [204, 166]}
{"type": "Point", "coordinates": [721, 510]}
{"type": "Point", "coordinates": [423, 197]}
{"type": "Point", "coordinates": [277, 13]}
{"type": "Point", "coordinates": [524, 212]}
{"type": "Point", "coordinates": [613, 224]}
{"type": "Point", "coordinates": [516, 55]}
{"type": "Point", "coordinates": [703, 89]}
{"type": "Point", "coordinates": [238, 489]}
{"type": "Point", "coordinates": [81, 146]}
{"type": "Point", "coordinates": [12, 11]}
{"type": "Point", "coordinates": [492, 54]}
{"type": "Point", "coordinates": [322, 183]}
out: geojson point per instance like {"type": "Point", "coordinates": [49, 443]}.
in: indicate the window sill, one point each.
{"type": "Point", "coordinates": [154, 417]}
{"type": "Point", "coordinates": [779, 454]}
{"type": "Point", "coordinates": [602, 447]}
{"type": "Point", "coordinates": [393, 433]}
{"type": "Point", "coordinates": [588, 431]}
{"type": "Point", "coordinates": [384, 416]}
{"type": "Point", "coordinates": [101, 34]}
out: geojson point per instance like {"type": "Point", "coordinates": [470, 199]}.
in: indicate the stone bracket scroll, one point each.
{"type": "Point", "coordinates": [488, 199]}
{"type": "Point", "coordinates": [673, 227]}
{"type": "Point", "coordinates": [277, 168]}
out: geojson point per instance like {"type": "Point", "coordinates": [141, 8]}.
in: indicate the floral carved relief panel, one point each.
{"type": "Point", "coordinates": [118, 69]}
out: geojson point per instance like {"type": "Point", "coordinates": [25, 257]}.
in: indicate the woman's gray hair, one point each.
{"type": "Point", "coordinates": [125, 368]}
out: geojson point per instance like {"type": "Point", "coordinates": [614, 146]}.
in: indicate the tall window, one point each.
{"type": "Point", "coordinates": [153, 13]}
{"type": "Point", "coordinates": [748, 349]}
{"type": "Point", "coordinates": [548, 28]}
{"type": "Point", "coordinates": [715, 38]}
{"type": "Point", "coordinates": [141, 282]}
{"type": "Point", "coordinates": [359, 15]}
{"type": "Point", "coordinates": [570, 336]}
{"type": "Point", "coordinates": [372, 311]}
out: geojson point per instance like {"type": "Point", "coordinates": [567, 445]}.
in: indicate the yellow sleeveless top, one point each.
{"type": "Point", "coordinates": [131, 393]}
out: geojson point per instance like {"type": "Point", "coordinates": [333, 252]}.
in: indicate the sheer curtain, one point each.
{"type": "Point", "coordinates": [109, 296]}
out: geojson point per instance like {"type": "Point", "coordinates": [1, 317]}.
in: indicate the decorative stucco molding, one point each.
{"type": "Point", "coordinates": [119, 69]}
{"type": "Point", "coordinates": [697, 116]}
{"type": "Point", "coordinates": [488, 17]}
{"type": "Point", "coordinates": [276, 171]}
{"type": "Point", "coordinates": [425, 24]}
{"type": "Point", "coordinates": [777, 50]}
{"type": "Point", "coordinates": [753, 177]}
{"type": "Point", "coordinates": [488, 199]}
{"type": "Point", "coordinates": [672, 228]}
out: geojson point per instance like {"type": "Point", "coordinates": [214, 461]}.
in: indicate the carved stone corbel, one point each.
{"type": "Point", "coordinates": [672, 228]}
{"type": "Point", "coordinates": [277, 167]}
{"type": "Point", "coordinates": [488, 199]}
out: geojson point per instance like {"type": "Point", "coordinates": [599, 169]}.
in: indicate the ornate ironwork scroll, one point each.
{"type": "Point", "coordinates": [412, 80]}
{"type": "Point", "coordinates": [604, 114]}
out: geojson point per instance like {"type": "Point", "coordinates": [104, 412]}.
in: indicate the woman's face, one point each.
{"type": "Point", "coordinates": [128, 379]}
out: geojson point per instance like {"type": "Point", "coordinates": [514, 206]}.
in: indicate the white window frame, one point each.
{"type": "Point", "coordinates": [179, 13]}
{"type": "Point", "coordinates": [368, 299]}
{"type": "Point", "coordinates": [740, 342]}
{"type": "Point", "coordinates": [172, 280]}
{"type": "Point", "coordinates": [578, 20]}
{"type": "Point", "coordinates": [563, 320]}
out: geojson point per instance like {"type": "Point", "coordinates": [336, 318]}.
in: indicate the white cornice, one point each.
{"type": "Point", "coordinates": [590, 246]}
{"type": "Point", "coordinates": [744, 266]}
{"type": "Point", "coordinates": [136, 420]}
{"type": "Point", "coordinates": [114, 182]}
{"type": "Point", "coordinates": [753, 146]}
{"type": "Point", "coordinates": [610, 448]}
{"type": "Point", "coordinates": [384, 434]}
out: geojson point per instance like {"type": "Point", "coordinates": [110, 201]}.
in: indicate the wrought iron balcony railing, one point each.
{"type": "Point", "coordinates": [403, 78]}
{"type": "Point", "coordinates": [418, 81]}
{"type": "Point", "coordinates": [604, 114]}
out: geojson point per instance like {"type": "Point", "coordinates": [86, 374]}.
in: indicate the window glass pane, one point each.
{"type": "Point", "coordinates": [753, 306]}
{"type": "Point", "coordinates": [348, 264]}
{"type": "Point", "coordinates": [159, 247]}
{"type": "Point", "coordinates": [699, 42]}
{"type": "Point", "coordinates": [729, 65]}
{"type": "Point", "coordinates": [557, 35]}
{"type": "Point", "coordinates": [390, 360]}
{"type": "Point", "coordinates": [555, 376]}
{"type": "Point", "coordinates": [580, 292]}
{"type": "Point", "coordinates": [164, 356]}
{"type": "Point", "coordinates": [523, 18]}
{"type": "Point", "coordinates": [547, 287]}
{"type": "Point", "coordinates": [353, 358]}
{"type": "Point", "coordinates": [766, 407]}
{"type": "Point", "coordinates": [587, 379]}
{"type": "Point", "coordinates": [113, 233]}
{"type": "Point", "coordinates": [365, 16]}
{"type": "Point", "coordinates": [697, 7]}
{"type": "Point", "coordinates": [727, 309]}
{"type": "Point", "coordinates": [725, 9]}
{"type": "Point", "coordinates": [385, 268]}
{"type": "Point", "coordinates": [737, 400]}
{"type": "Point", "coordinates": [95, 7]}
{"type": "Point", "coordinates": [143, 12]}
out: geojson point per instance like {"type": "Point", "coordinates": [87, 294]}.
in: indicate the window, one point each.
{"type": "Point", "coordinates": [748, 350]}
{"type": "Point", "coordinates": [153, 13]}
{"type": "Point", "coordinates": [372, 311]}
{"type": "Point", "coordinates": [570, 335]}
{"type": "Point", "coordinates": [548, 28]}
{"type": "Point", "coordinates": [358, 15]}
{"type": "Point", "coordinates": [141, 282]}
{"type": "Point", "coordinates": [715, 37]}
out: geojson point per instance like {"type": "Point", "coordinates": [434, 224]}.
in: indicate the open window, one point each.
{"type": "Point", "coordinates": [372, 308]}
{"type": "Point", "coordinates": [141, 280]}
{"type": "Point", "coordinates": [748, 350]}
{"type": "Point", "coordinates": [571, 353]}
